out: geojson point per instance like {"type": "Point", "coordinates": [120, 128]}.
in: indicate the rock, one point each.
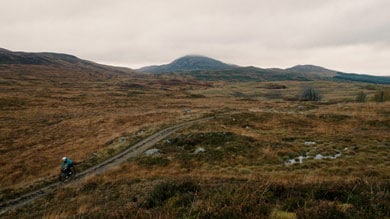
{"type": "Point", "coordinates": [300, 159]}
{"type": "Point", "coordinates": [121, 139]}
{"type": "Point", "coordinates": [290, 162]}
{"type": "Point", "coordinates": [199, 150]}
{"type": "Point", "coordinates": [187, 111]}
{"type": "Point", "coordinates": [336, 156]}
{"type": "Point", "coordinates": [153, 151]}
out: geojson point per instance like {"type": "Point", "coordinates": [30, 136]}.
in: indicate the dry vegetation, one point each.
{"type": "Point", "coordinates": [241, 174]}
{"type": "Point", "coordinates": [44, 118]}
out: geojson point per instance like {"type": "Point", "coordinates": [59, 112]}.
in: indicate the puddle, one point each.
{"type": "Point", "coordinates": [296, 160]}
{"type": "Point", "coordinates": [320, 156]}
{"type": "Point", "coordinates": [300, 159]}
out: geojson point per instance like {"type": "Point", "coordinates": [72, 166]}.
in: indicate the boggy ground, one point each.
{"type": "Point", "coordinates": [244, 170]}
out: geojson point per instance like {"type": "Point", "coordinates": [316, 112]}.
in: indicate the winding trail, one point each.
{"type": "Point", "coordinates": [132, 151]}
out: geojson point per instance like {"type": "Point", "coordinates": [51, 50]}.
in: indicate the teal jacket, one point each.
{"type": "Point", "coordinates": [67, 163]}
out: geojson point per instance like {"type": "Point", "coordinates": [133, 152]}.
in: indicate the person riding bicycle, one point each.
{"type": "Point", "coordinates": [66, 164]}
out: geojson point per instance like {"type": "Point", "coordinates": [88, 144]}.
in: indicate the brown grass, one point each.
{"type": "Point", "coordinates": [42, 120]}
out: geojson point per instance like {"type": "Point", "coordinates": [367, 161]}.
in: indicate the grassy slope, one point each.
{"type": "Point", "coordinates": [364, 78]}
{"type": "Point", "coordinates": [245, 74]}
{"type": "Point", "coordinates": [241, 174]}
{"type": "Point", "coordinates": [44, 117]}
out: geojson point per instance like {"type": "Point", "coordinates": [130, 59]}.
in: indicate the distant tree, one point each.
{"type": "Point", "coordinates": [382, 95]}
{"type": "Point", "coordinates": [361, 97]}
{"type": "Point", "coordinates": [310, 94]}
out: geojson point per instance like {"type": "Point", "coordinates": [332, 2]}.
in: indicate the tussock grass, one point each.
{"type": "Point", "coordinates": [187, 196]}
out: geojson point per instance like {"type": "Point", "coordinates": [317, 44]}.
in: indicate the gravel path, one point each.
{"type": "Point", "coordinates": [132, 151]}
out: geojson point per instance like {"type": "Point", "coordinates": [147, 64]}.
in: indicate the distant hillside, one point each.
{"type": "Point", "coordinates": [312, 69]}
{"type": "Point", "coordinates": [204, 68]}
{"type": "Point", "coordinates": [363, 78]}
{"type": "Point", "coordinates": [54, 66]}
{"type": "Point", "coordinates": [188, 63]}
{"type": "Point", "coordinates": [57, 67]}
{"type": "Point", "coordinates": [207, 69]}
{"type": "Point", "coordinates": [9, 57]}
{"type": "Point", "coordinates": [253, 74]}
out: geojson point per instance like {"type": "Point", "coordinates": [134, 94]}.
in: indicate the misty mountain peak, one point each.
{"type": "Point", "coordinates": [189, 63]}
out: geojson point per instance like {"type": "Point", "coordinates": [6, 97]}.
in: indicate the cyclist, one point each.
{"type": "Point", "coordinates": [66, 165]}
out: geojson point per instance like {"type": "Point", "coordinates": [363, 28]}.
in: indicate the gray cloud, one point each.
{"type": "Point", "coordinates": [346, 35]}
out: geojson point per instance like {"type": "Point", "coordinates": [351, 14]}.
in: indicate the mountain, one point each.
{"type": "Point", "coordinates": [53, 66]}
{"type": "Point", "coordinates": [207, 69]}
{"type": "Point", "coordinates": [188, 63]}
{"type": "Point", "coordinates": [57, 67]}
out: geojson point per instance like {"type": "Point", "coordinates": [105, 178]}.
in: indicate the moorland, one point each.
{"type": "Point", "coordinates": [266, 152]}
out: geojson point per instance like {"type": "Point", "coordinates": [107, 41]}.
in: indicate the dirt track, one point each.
{"type": "Point", "coordinates": [132, 151]}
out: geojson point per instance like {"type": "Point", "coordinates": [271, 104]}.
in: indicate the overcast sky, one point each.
{"type": "Point", "coordinates": [344, 35]}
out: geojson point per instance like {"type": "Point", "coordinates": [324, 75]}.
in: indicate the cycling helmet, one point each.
{"type": "Point", "coordinates": [64, 158]}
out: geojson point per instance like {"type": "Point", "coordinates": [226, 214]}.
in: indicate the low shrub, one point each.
{"type": "Point", "coordinates": [275, 86]}
{"type": "Point", "coordinates": [197, 96]}
{"type": "Point", "coordinates": [361, 97]}
{"type": "Point", "coordinates": [310, 94]}
{"type": "Point", "coordinates": [382, 95]}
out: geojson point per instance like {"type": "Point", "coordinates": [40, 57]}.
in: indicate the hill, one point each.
{"type": "Point", "coordinates": [296, 73]}
{"type": "Point", "coordinates": [188, 63]}
{"type": "Point", "coordinates": [312, 69]}
{"type": "Point", "coordinates": [48, 66]}
{"type": "Point", "coordinates": [9, 57]}
{"type": "Point", "coordinates": [204, 68]}
{"type": "Point", "coordinates": [207, 69]}
{"type": "Point", "coordinates": [255, 74]}
{"type": "Point", "coordinates": [363, 78]}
